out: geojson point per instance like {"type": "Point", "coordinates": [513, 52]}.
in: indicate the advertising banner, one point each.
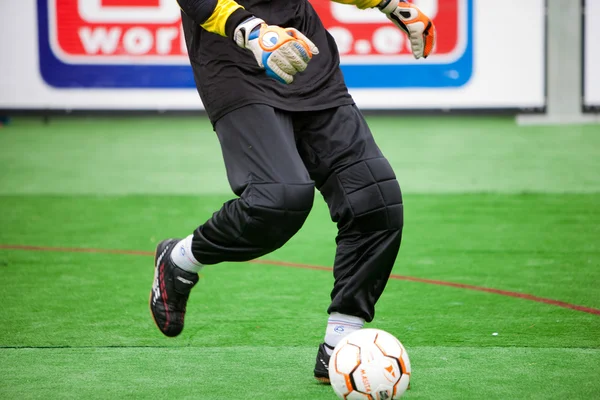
{"type": "Point", "coordinates": [139, 44]}
{"type": "Point", "coordinates": [591, 55]}
{"type": "Point", "coordinates": [112, 44]}
{"type": "Point", "coordinates": [372, 49]}
{"type": "Point", "coordinates": [131, 54]}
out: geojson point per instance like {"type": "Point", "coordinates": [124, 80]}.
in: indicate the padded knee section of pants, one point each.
{"type": "Point", "coordinates": [365, 197]}
{"type": "Point", "coordinates": [276, 211]}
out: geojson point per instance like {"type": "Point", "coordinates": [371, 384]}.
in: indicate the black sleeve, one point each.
{"type": "Point", "coordinates": [201, 10]}
{"type": "Point", "coordinates": [198, 10]}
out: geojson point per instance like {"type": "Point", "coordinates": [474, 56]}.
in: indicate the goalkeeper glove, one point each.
{"type": "Point", "coordinates": [281, 52]}
{"type": "Point", "coordinates": [414, 23]}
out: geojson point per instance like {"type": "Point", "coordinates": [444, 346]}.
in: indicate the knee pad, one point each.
{"type": "Point", "coordinates": [276, 211]}
{"type": "Point", "coordinates": [365, 197]}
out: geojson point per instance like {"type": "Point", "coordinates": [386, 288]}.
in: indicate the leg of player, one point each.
{"type": "Point", "coordinates": [365, 201]}
{"type": "Point", "coordinates": [275, 197]}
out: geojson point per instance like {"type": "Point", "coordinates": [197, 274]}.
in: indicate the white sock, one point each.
{"type": "Point", "coordinates": [182, 256]}
{"type": "Point", "coordinates": [338, 326]}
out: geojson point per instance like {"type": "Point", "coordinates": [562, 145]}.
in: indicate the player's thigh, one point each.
{"type": "Point", "coordinates": [333, 139]}
{"type": "Point", "coordinates": [258, 145]}
{"type": "Point", "coordinates": [355, 179]}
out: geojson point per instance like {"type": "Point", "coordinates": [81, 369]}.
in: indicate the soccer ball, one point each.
{"type": "Point", "coordinates": [369, 364]}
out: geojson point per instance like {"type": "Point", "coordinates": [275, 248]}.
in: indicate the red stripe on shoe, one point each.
{"type": "Point", "coordinates": [163, 294]}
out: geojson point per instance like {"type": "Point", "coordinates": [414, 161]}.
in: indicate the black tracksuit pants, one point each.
{"type": "Point", "coordinates": [274, 160]}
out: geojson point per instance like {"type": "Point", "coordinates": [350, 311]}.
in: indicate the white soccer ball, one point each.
{"type": "Point", "coordinates": [369, 364]}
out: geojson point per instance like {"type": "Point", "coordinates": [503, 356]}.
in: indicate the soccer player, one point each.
{"type": "Point", "coordinates": [268, 75]}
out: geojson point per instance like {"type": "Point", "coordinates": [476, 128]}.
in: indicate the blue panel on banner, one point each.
{"type": "Point", "coordinates": [84, 44]}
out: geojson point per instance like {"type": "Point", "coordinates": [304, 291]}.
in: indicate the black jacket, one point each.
{"type": "Point", "coordinates": [228, 76]}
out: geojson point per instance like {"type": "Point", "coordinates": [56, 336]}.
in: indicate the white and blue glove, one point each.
{"type": "Point", "coordinates": [281, 52]}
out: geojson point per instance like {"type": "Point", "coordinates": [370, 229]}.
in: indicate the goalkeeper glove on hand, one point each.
{"type": "Point", "coordinates": [281, 52]}
{"type": "Point", "coordinates": [418, 26]}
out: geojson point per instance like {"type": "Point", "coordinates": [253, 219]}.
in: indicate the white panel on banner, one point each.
{"type": "Point", "coordinates": [591, 50]}
{"type": "Point", "coordinates": [130, 54]}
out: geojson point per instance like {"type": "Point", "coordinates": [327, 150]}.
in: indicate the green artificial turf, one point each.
{"type": "Point", "coordinates": [487, 204]}
{"type": "Point", "coordinates": [268, 372]}
{"type": "Point", "coordinates": [170, 155]}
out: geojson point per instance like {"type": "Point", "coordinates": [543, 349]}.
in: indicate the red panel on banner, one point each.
{"type": "Point", "coordinates": [130, 29]}
{"type": "Point", "coordinates": [130, 3]}
{"type": "Point", "coordinates": [95, 28]}
{"type": "Point", "coordinates": [369, 32]}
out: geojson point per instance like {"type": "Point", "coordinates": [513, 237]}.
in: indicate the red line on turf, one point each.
{"type": "Point", "coordinates": [507, 293]}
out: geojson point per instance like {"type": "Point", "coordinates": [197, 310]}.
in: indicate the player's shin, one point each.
{"type": "Point", "coordinates": [338, 326]}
